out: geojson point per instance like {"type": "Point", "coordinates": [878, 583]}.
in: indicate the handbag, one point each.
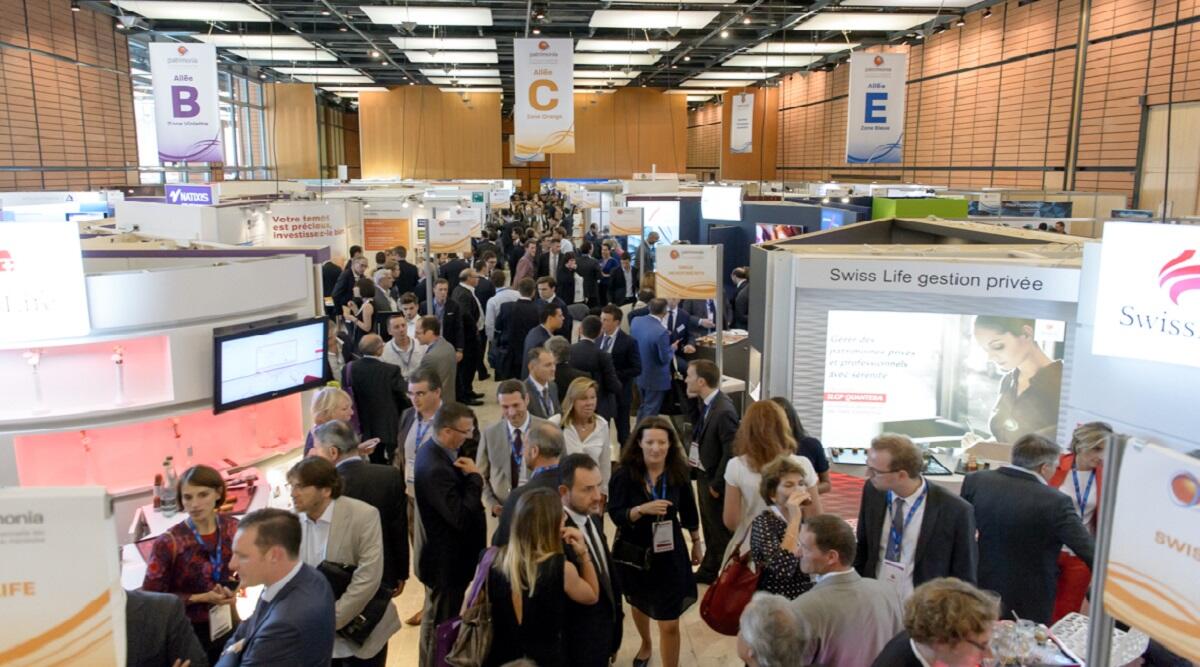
{"type": "Point", "coordinates": [465, 640]}
{"type": "Point", "coordinates": [360, 627]}
{"type": "Point", "coordinates": [625, 552]}
{"type": "Point", "coordinates": [728, 596]}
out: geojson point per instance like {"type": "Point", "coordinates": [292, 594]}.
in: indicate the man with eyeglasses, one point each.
{"type": "Point", "coordinates": [946, 622]}
{"type": "Point", "coordinates": [449, 495]}
{"type": "Point", "coordinates": [416, 429]}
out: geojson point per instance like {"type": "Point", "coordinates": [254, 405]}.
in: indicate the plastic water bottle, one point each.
{"type": "Point", "coordinates": [170, 502]}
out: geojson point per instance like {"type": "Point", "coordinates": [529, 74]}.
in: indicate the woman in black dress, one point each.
{"type": "Point", "coordinates": [651, 502]}
{"type": "Point", "coordinates": [530, 582]}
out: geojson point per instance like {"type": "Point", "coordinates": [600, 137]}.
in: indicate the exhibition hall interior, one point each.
{"type": "Point", "coordinates": [483, 333]}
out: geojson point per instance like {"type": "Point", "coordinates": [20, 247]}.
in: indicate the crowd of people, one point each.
{"type": "Point", "coordinates": [400, 479]}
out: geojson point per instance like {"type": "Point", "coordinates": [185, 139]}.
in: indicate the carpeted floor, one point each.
{"type": "Point", "coordinates": [845, 497]}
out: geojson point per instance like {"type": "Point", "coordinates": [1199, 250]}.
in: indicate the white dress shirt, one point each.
{"type": "Point", "coordinates": [410, 449]}
{"type": "Point", "coordinates": [269, 592]}
{"type": "Point", "coordinates": [579, 298]}
{"type": "Point", "coordinates": [908, 542]}
{"type": "Point", "coordinates": [596, 445]}
{"type": "Point", "coordinates": [503, 295]}
{"type": "Point", "coordinates": [408, 360]}
{"type": "Point", "coordinates": [315, 535]}
{"type": "Point", "coordinates": [585, 526]}
{"type": "Point", "coordinates": [835, 573]}
{"type": "Point", "coordinates": [628, 282]}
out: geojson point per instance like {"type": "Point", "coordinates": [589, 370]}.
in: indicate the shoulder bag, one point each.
{"type": "Point", "coordinates": [728, 596]}
{"type": "Point", "coordinates": [360, 627]}
{"type": "Point", "coordinates": [466, 640]}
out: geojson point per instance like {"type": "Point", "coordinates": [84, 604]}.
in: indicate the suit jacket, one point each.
{"type": "Point", "coordinates": [628, 363]}
{"type": "Point", "coordinates": [1023, 525]}
{"type": "Point", "coordinates": [535, 404]}
{"type": "Point", "coordinates": [616, 285]}
{"type": "Point", "coordinates": [380, 395]}
{"type": "Point", "coordinates": [716, 438]}
{"type": "Point", "coordinates": [294, 628]}
{"type": "Point", "coordinates": [593, 632]}
{"type": "Point", "coordinates": [543, 264]}
{"type": "Point", "coordinates": [158, 631]}
{"type": "Point", "coordinates": [494, 460]}
{"type": "Point", "coordinates": [471, 316]}
{"type": "Point", "coordinates": [898, 653]}
{"type": "Point", "coordinates": [945, 546]}
{"type": "Point", "coordinates": [565, 285]}
{"type": "Point", "coordinates": [450, 504]}
{"type": "Point", "coordinates": [513, 324]}
{"type": "Point", "coordinates": [484, 291]}
{"type": "Point", "coordinates": [565, 329]}
{"type": "Point", "coordinates": [741, 306]}
{"type": "Point", "coordinates": [343, 290]}
{"type": "Point", "coordinates": [851, 618]}
{"type": "Point", "coordinates": [589, 269]}
{"type": "Point", "coordinates": [546, 479]}
{"type": "Point", "coordinates": [451, 269]}
{"type": "Point", "coordinates": [382, 487]}
{"type": "Point", "coordinates": [564, 375]}
{"type": "Point", "coordinates": [452, 322]}
{"type": "Point", "coordinates": [536, 337]}
{"type": "Point", "coordinates": [587, 357]}
{"type": "Point", "coordinates": [439, 357]}
{"type": "Point", "coordinates": [681, 328]}
{"type": "Point", "coordinates": [356, 538]}
{"type": "Point", "coordinates": [654, 348]}
{"type": "Point", "coordinates": [407, 282]}
{"type": "Point", "coordinates": [330, 273]}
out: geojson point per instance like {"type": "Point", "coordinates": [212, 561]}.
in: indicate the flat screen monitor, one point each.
{"type": "Point", "coordinates": [764, 232]}
{"type": "Point", "coordinates": [268, 362]}
{"type": "Point", "coordinates": [832, 218]}
{"type": "Point", "coordinates": [721, 202]}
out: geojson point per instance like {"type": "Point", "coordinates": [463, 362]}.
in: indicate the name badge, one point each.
{"type": "Point", "coordinates": [894, 572]}
{"type": "Point", "coordinates": [694, 455]}
{"type": "Point", "coordinates": [664, 536]}
{"type": "Point", "coordinates": [220, 621]}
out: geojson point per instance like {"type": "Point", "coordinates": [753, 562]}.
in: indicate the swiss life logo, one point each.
{"type": "Point", "coordinates": [1175, 278]}
{"type": "Point", "coordinates": [1180, 275]}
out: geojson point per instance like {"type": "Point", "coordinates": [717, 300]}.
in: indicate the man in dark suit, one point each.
{"type": "Point", "coordinates": [452, 269]}
{"type": "Point", "coordinates": [547, 294]}
{"type": "Point", "coordinates": [624, 352]}
{"type": "Point", "coordinates": [409, 275]}
{"type": "Point", "coordinates": [588, 268]}
{"type": "Point", "coordinates": [157, 632]}
{"type": "Point", "coordinates": [714, 425]}
{"type": "Point", "coordinates": [550, 316]}
{"type": "Point", "coordinates": [593, 632]}
{"type": "Point", "coordinates": [330, 272]}
{"type": "Point", "coordinates": [543, 392]}
{"type": "Point", "coordinates": [702, 316]}
{"type": "Point", "coordinates": [540, 453]}
{"type": "Point", "coordinates": [343, 291]}
{"type": "Point", "coordinates": [294, 621]}
{"type": "Point", "coordinates": [587, 357]}
{"type": "Point", "coordinates": [449, 314]}
{"type": "Point", "coordinates": [623, 283]}
{"type": "Point", "coordinates": [449, 494]}
{"type": "Point", "coordinates": [741, 298]}
{"type": "Point", "coordinates": [513, 324]}
{"type": "Point", "coordinates": [380, 395]}
{"type": "Point", "coordinates": [565, 280]}
{"type": "Point", "coordinates": [910, 531]}
{"type": "Point", "coordinates": [656, 352]}
{"type": "Point", "coordinates": [550, 260]}
{"type": "Point", "coordinates": [564, 375]}
{"type": "Point", "coordinates": [472, 328]}
{"type": "Point", "coordinates": [380, 486]}
{"type": "Point", "coordinates": [1023, 524]}
{"type": "Point", "coordinates": [679, 324]}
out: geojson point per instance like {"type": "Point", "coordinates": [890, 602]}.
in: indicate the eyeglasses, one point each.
{"type": "Point", "coordinates": [985, 649]}
{"type": "Point", "coordinates": [469, 432]}
{"type": "Point", "coordinates": [418, 394]}
{"type": "Point", "coordinates": [872, 471]}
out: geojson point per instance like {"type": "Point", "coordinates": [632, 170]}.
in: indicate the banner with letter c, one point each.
{"type": "Point", "coordinates": [875, 111]}
{"type": "Point", "coordinates": [187, 120]}
{"type": "Point", "coordinates": [545, 89]}
{"type": "Point", "coordinates": [686, 271]}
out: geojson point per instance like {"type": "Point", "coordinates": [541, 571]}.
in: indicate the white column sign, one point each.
{"type": "Point", "coordinates": [626, 220]}
{"type": "Point", "coordinates": [451, 232]}
{"type": "Point", "coordinates": [187, 118]}
{"type": "Point", "coordinates": [741, 124]}
{"type": "Point", "coordinates": [686, 271]}
{"type": "Point", "coordinates": [875, 107]}
{"type": "Point", "coordinates": [545, 96]}
{"type": "Point", "coordinates": [37, 301]}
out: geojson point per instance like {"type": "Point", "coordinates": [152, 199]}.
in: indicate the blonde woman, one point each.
{"type": "Point", "coordinates": [531, 580]}
{"type": "Point", "coordinates": [334, 404]}
{"type": "Point", "coordinates": [763, 436]}
{"type": "Point", "coordinates": [583, 430]}
{"type": "Point", "coordinates": [1079, 476]}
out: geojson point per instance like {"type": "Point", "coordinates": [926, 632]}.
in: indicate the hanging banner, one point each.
{"type": "Point", "coordinates": [626, 220]}
{"type": "Point", "coordinates": [686, 271]}
{"type": "Point", "coordinates": [875, 111]}
{"type": "Point", "coordinates": [36, 303]}
{"type": "Point", "coordinates": [187, 118]}
{"type": "Point", "coordinates": [57, 606]}
{"type": "Point", "coordinates": [1151, 580]}
{"type": "Point", "coordinates": [451, 231]}
{"type": "Point", "coordinates": [741, 124]}
{"type": "Point", "coordinates": [545, 96]}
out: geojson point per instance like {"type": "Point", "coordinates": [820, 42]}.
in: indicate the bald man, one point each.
{"type": "Point", "coordinates": [379, 397]}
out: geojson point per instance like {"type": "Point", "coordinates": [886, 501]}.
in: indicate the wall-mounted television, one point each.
{"type": "Point", "coordinates": [262, 363]}
{"type": "Point", "coordinates": [721, 202]}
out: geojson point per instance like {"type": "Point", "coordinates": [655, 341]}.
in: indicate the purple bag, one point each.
{"type": "Point", "coordinates": [447, 631]}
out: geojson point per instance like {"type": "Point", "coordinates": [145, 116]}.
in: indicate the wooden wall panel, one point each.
{"type": "Point", "coordinates": [704, 140]}
{"type": "Point", "coordinates": [619, 134]}
{"type": "Point", "coordinates": [291, 111]}
{"type": "Point", "coordinates": [759, 164]}
{"type": "Point", "coordinates": [421, 132]}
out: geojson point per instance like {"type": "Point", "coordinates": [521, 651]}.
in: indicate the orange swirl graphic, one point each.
{"type": "Point", "coordinates": [704, 290]}
{"type": "Point", "coordinates": [1139, 599]}
{"type": "Point", "coordinates": [65, 632]}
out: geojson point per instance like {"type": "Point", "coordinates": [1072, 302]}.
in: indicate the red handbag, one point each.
{"type": "Point", "coordinates": [728, 596]}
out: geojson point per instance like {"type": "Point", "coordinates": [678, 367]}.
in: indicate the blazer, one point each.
{"type": "Point", "coordinates": [716, 438]}
{"type": "Point", "coordinates": [330, 273]}
{"type": "Point", "coordinates": [564, 375]}
{"type": "Point", "coordinates": [536, 337]}
{"type": "Point", "coordinates": [484, 291]}
{"type": "Point", "coordinates": [543, 264]}
{"type": "Point", "coordinates": [546, 479]}
{"type": "Point", "coordinates": [494, 460]}
{"type": "Point", "coordinates": [407, 282]}
{"type": "Point", "coordinates": [452, 322]}
{"type": "Point", "coordinates": [343, 290]}
{"type": "Point", "coordinates": [682, 329]}
{"type": "Point", "coordinates": [295, 628]}
{"type": "Point", "coordinates": [1023, 525]}
{"type": "Point", "coordinates": [380, 394]}
{"type": "Point", "coordinates": [945, 547]}
{"type": "Point", "coordinates": [616, 285]}
{"type": "Point", "coordinates": [451, 269]}
{"type": "Point", "coordinates": [382, 487]}
{"type": "Point", "coordinates": [589, 268]}
{"type": "Point", "coordinates": [628, 363]}
{"type": "Point", "coordinates": [654, 348]}
{"type": "Point", "coordinates": [565, 329]}
{"type": "Point", "coordinates": [850, 618]}
{"type": "Point", "coordinates": [564, 288]}
{"type": "Point", "coordinates": [450, 504]}
{"type": "Point", "coordinates": [593, 632]}
{"type": "Point", "coordinates": [898, 653]}
{"type": "Point", "coordinates": [535, 404]}
{"type": "Point", "coordinates": [741, 306]}
{"type": "Point", "coordinates": [356, 538]}
{"type": "Point", "coordinates": [439, 358]}
{"type": "Point", "coordinates": [587, 357]}
{"type": "Point", "coordinates": [159, 632]}
{"type": "Point", "coordinates": [470, 317]}
{"type": "Point", "coordinates": [513, 324]}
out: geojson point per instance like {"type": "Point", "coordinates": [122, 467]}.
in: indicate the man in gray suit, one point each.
{"type": "Point", "coordinates": [543, 393]}
{"type": "Point", "coordinates": [499, 455]}
{"type": "Point", "coordinates": [342, 530]}
{"type": "Point", "coordinates": [850, 619]}
{"type": "Point", "coordinates": [157, 632]}
{"type": "Point", "coordinates": [439, 354]}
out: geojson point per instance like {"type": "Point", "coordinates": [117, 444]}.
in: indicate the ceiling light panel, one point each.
{"type": "Point", "coordinates": [864, 21]}
{"type": "Point", "coordinates": [801, 47]}
{"type": "Point", "coordinates": [308, 78]}
{"type": "Point", "coordinates": [914, 4]}
{"type": "Point", "coordinates": [255, 41]}
{"type": "Point", "coordinates": [603, 74]}
{"type": "Point", "coordinates": [618, 59]}
{"type": "Point", "coordinates": [183, 10]}
{"type": "Point", "coordinates": [769, 61]}
{"type": "Point", "coordinates": [346, 93]}
{"type": "Point", "coordinates": [727, 74]}
{"type": "Point", "coordinates": [694, 93]}
{"type": "Point", "coordinates": [454, 71]}
{"type": "Point", "coordinates": [316, 70]}
{"type": "Point", "coordinates": [600, 83]}
{"type": "Point", "coordinates": [668, 2]}
{"type": "Point", "coordinates": [650, 19]}
{"type": "Point", "coordinates": [465, 57]}
{"type": "Point", "coordinates": [715, 83]}
{"type": "Point", "coordinates": [466, 81]}
{"type": "Point", "coordinates": [625, 45]}
{"type": "Point", "coordinates": [285, 55]}
{"type": "Point", "coordinates": [472, 16]}
{"type": "Point", "coordinates": [446, 44]}
{"type": "Point", "coordinates": [355, 89]}
{"type": "Point", "coordinates": [699, 98]}
{"type": "Point", "coordinates": [472, 90]}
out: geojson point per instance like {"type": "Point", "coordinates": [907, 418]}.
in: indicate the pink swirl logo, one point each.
{"type": "Point", "coordinates": [1182, 273]}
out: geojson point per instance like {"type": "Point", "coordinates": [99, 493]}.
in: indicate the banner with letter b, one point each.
{"type": "Point", "coordinates": [545, 90]}
{"type": "Point", "coordinates": [187, 120]}
{"type": "Point", "coordinates": [875, 108]}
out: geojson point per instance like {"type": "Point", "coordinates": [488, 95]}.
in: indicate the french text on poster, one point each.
{"type": "Point", "coordinates": [451, 234]}
{"type": "Point", "coordinates": [686, 271]}
{"type": "Point", "coordinates": [875, 107]}
{"type": "Point", "coordinates": [308, 224]}
{"type": "Point", "coordinates": [626, 220]}
{"type": "Point", "coordinates": [1020, 281]}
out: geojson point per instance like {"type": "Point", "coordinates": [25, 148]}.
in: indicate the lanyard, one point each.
{"type": "Point", "coordinates": [896, 538]}
{"type": "Point", "coordinates": [538, 471]}
{"type": "Point", "coordinates": [214, 557]}
{"type": "Point", "coordinates": [422, 430]}
{"type": "Point", "coordinates": [655, 491]}
{"type": "Point", "coordinates": [1082, 500]}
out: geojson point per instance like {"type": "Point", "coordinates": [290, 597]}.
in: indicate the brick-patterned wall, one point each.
{"type": "Point", "coordinates": [68, 101]}
{"type": "Point", "coordinates": [704, 139]}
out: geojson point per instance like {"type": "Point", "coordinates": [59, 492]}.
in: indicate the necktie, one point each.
{"type": "Point", "coordinates": [594, 542]}
{"type": "Point", "coordinates": [515, 459]}
{"type": "Point", "coordinates": [606, 343]}
{"type": "Point", "coordinates": [712, 311]}
{"type": "Point", "coordinates": [671, 323]}
{"type": "Point", "coordinates": [546, 404]}
{"type": "Point", "coordinates": [893, 548]}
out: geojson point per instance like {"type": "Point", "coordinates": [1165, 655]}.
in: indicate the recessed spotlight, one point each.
{"type": "Point", "coordinates": [412, 83]}
{"type": "Point", "coordinates": [746, 21]}
{"type": "Point", "coordinates": [724, 34]}
{"type": "Point", "coordinates": [262, 76]}
{"type": "Point", "coordinates": [537, 31]}
{"type": "Point", "coordinates": [674, 66]}
{"type": "Point", "coordinates": [343, 29]}
{"type": "Point", "coordinates": [960, 22]}
{"type": "Point", "coordinates": [987, 13]}
{"type": "Point", "coordinates": [325, 12]}
{"type": "Point", "coordinates": [374, 54]}
{"type": "Point", "coordinates": [687, 58]}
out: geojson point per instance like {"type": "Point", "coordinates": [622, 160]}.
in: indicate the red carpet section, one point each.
{"type": "Point", "coordinates": [845, 497]}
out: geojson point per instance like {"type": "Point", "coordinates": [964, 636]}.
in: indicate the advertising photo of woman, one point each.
{"type": "Point", "coordinates": [1029, 390]}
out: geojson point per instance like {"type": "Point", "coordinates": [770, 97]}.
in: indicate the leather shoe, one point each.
{"type": "Point", "coordinates": [640, 662]}
{"type": "Point", "coordinates": [476, 394]}
{"type": "Point", "coordinates": [415, 619]}
{"type": "Point", "coordinates": [473, 402]}
{"type": "Point", "coordinates": [705, 577]}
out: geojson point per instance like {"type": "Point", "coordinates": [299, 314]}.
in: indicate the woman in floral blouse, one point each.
{"type": "Point", "coordinates": [775, 533]}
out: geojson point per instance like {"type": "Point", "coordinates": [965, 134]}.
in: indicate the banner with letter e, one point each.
{"type": "Point", "coordinates": [187, 120]}
{"type": "Point", "coordinates": [544, 116]}
{"type": "Point", "coordinates": [875, 108]}
{"type": "Point", "coordinates": [59, 608]}
{"type": "Point", "coordinates": [687, 271]}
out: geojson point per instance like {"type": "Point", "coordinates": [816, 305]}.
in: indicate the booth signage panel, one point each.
{"type": "Point", "coordinates": [741, 129]}
{"type": "Point", "coordinates": [686, 271]}
{"type": "Point", "coordinates": [1148, 297]}
{"type": "Point", "coordinates": [1151, 577]}
{"type": "Point", "coordinates": [42, 289]}
{"type": "Point", "coordinates": [187, 119]}
{"type": "Point", "coordinates": [308, 224]}
{"type": "Point", "coordinates": [626, 220]}
{"type": "Point", "coordinates": [545, 91]}
{"type": "Point", "coordinates": [451, 233]}
{"type": "Point", "coordinates": [57, 606]}
{"type": "Point", "coordinates": [190, 195]}
{"type": "Point", "coordinates": [875, 111]}
{"type": "Point", "coordinates": [957, 279]}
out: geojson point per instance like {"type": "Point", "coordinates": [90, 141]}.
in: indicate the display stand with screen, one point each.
{"type": "Point", "coordinates": [263, 363]}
